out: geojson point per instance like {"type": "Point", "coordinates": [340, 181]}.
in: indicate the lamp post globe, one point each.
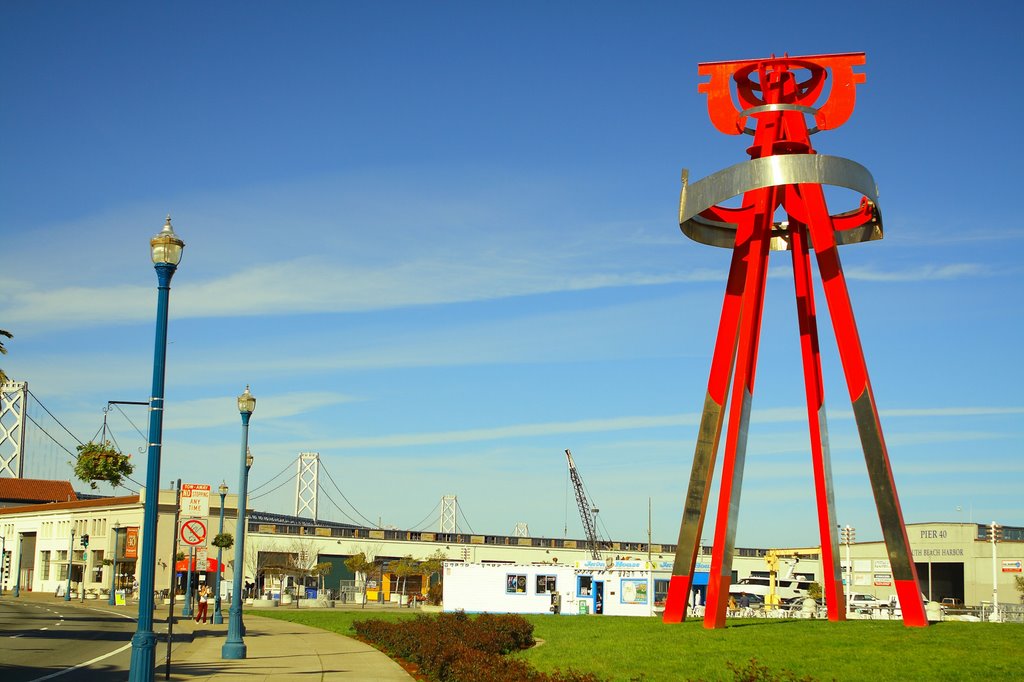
{"type": "Point", "coordinates": [165, 252]}
{"type": "Point", "coordinates": [234, 645]}
{"type": "Point", "coordinates": [218, 617]}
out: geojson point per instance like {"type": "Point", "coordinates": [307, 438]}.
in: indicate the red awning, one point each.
{"type": "Point", "coordinates": [211, 566]}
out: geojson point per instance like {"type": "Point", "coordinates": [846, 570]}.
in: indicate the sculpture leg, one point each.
{"type": "Point", "coordinates": [865, 412]}
{"type": "Point", "coordinates": [821, 461]}
{"type": "Point", "coordinates": [703, 470]}
{"type": "Point", "coordinates": [739, 411]}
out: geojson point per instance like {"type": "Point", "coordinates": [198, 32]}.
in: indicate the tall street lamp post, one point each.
{"type": "Point", "coordinates": [165, 250]}
{"type": "Point", "coordinates": [71, 553]}
{"type": "Point", "coordinates": [234, 646]}
{"type": "Point", "coordinates": [113, 566]}
{"type": "Point", "coordinates": [3, 563]}
{"type": "Point", "coordinates": [218, 617]}
{"type": "Point", "coordinates": [17, 575]}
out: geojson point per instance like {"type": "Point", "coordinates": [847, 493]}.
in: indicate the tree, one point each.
{"type": "Point", "coordinates": [321, 571]}
{"type": "Point", "coordinates": [255, 564]}
{"type": "Point", "coordinates": [430, 567]}
{"type": "Point", "coordinates": [1019, 580]}
{"type": "Point", "coordinates": [3, 351]}
{"type": "Point", "coordinates": [359, 564]}
{"type": "Point", "coordinates": [403, 568]}
{"type": "Point", "coordinates": [814, 591]}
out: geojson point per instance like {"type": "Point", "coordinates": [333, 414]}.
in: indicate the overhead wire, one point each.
{"type": "Point", "coordinates": [50, 436]}
{"type": "Point", "coordinates": [34, 397]}
{"type": "Point", "coordinates": [271, 480]}
{"type": "Point", "coordinates": [336, 506]}
{"type": "Point", "coordinates": [459, 507]}
{"type": "Point", "coordinates": [359, 513]}
{"type": "Point", "coordinates": [256, 497]}
{"type": "Point", "coordinates": [427, 516]}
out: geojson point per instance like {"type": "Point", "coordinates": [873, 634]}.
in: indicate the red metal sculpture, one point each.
{"type": "Point", "coordinates": [776, 96]}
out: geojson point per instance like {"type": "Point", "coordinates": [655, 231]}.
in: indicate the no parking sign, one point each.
{"type": "Point", "coordinates": [193, 532]}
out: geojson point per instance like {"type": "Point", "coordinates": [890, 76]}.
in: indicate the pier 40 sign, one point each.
{"type": "Point", "coordinates": [195, 500]}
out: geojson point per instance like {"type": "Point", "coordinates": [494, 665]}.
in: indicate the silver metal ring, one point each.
{"type": "Point", "coordinates": [773, 171]}
{"type": "Point", "coordinates": [810, 111]}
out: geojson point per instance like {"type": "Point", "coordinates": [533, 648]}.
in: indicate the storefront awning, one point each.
{"type": "Point", "coordinates": [197, 567]}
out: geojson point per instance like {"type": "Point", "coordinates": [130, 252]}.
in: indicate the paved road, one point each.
{"type": "Point", "coordinates": [40, 641]}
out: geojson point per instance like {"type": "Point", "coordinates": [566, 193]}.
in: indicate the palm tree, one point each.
{"type": "Point", "coordinates": [3, 351]}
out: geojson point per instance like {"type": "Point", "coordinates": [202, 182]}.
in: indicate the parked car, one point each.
{"type": "Point", "coordinates": [863, 602]}
{"type": "Point", "coordinates": [952, 603]}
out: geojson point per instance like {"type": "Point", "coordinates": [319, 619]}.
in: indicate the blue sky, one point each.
{"type": "Point", "coordinates": [439, 240]}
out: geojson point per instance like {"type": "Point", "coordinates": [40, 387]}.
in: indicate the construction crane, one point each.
{"type": "Point", "coordinates": [588, 513]}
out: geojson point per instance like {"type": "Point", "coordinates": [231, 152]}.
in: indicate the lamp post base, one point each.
{"type": "Point", "coordinates": [218, 617]}
{"type": "Point", "coordinates": [143, 657]}
{"type": "Point", "coordinates": [233, 650]}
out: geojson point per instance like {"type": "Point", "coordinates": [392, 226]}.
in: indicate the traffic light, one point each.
{"type": "Point", "coordinates": [85, 540]}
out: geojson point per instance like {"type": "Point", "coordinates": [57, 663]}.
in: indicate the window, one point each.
{"type": "Point", "coordinates": [545, 584]}
{"type": "Point", "coordinates": [660, 590]}
{"type": "Point", "coordinates": [97, 566]}
{"type": "Point", "coordinates": [584, 586]}
{"type": "Point", "coordinates": [515, 584]}
{"type": "Point", "coordinates": [44, 565]}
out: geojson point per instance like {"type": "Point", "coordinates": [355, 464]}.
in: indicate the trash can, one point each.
{"type": "Point", "coordinates": [584, 608]}
{"type": "Point", "coordinates": [310, 593]}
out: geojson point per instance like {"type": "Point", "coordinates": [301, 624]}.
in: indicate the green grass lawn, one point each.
{"type": "Point", "coordinates": [646, 650]}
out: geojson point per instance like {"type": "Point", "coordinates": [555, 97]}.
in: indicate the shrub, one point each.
{"type": "Point", "coordinates": [452, 647]}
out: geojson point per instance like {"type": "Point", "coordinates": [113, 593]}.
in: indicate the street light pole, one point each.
{"type": "Point", "coordinates": [113, 567]}
{"type": "Point", "coordinates": [3, 563]}
{"type": "Point", "coordinates": [71, 552]}
{"type": "Point", "coordinates": [848, 533]}
{"type": "Point", "coordinates": [17, 576]}
{"type": "Point", "coordinates": [165, 250]}
{"type": "Point", "coordinates": [234, 646]}
{"type": "Point", "coordinates": [218, 617]}
{"type": "Point", "coordinates": [995, 534]}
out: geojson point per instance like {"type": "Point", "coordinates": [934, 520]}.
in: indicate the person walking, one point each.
{"type": "Point", "coordinates": [204, 602]}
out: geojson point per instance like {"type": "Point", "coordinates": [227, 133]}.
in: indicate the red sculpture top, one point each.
{"type": "Point", "coordinates": [763, 84]}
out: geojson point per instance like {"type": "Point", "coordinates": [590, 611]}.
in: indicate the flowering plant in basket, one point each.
{"type": "Point", "coordinates": [102, 462]}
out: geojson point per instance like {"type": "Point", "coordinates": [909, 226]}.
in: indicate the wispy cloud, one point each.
{"type": "Point", "coordinates": [311, 285]}
{"type": "Point", "coordinates": [627, 423]}
{"type": "Point", "coordinates": [221, 410]}
{"type": "Point", "coordinates": [923, 273]}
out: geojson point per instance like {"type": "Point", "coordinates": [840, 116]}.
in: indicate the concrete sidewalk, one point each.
{"type": "Point", "coordinates": [286, 652]}
{"type": "Point", "coordinates": [276, 649]}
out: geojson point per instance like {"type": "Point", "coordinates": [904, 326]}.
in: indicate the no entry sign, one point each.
{"type": "Point", "coordinates": [193, 532]}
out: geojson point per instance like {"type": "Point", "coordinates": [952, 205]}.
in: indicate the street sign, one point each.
{"type": "Point", "coordinates": [1013, 566]}
{"type": "Point", "coordinates": [201, 558]}
{"type": "Point", "coordinates": [193, 532]}
{"type": "Point", "coordinates": [195, 500]}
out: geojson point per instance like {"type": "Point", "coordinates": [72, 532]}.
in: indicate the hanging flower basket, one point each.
{"type": "Point", "coordinates": [223, 540]}
{"type": "Point", "coordinates": [102, 462]}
